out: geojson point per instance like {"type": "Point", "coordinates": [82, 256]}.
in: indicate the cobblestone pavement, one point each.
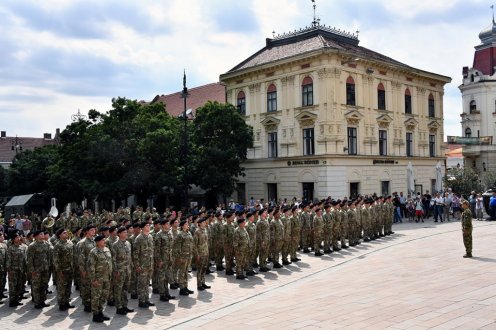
{"type": "Point", "coordinates": [415, 279]}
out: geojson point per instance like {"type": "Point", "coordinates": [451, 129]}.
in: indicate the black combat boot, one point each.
{"type": "Point", "coordinates": [97, 318]}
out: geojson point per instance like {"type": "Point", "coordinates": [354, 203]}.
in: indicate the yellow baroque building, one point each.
{"type": "Point", "coordinates": [332, 118]}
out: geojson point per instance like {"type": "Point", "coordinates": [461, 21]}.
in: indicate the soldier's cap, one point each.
{"type": "Point", "coordinates": [90, 227]}
{"type": "Point", "coordinates": [338, 201]}
{"type": "Point", "coordinates": [37, 232]}
{"type": "Point", "coordinates": [103, 228]}
{"type": "Point", "coordinates": [143, 224]}
{"type": "Point", "coordinates": [241, 220]}
{"type": "Point", "coordinates": [129, 226]}
{"type": "Point", "coordinates": [44, 232]}
{"type": "Point", "coordinates": [276, 211]}
{"type": "Point", "coordinates": [249, 214]}
{"type": "Point", "coordinates": [182, 223]}
{"type": "Point", "coordinates": [317, 209]}
{"type": "Point", "coordinates": [121, 229]}
{"type": "Point", "coordinates": [351, 202]}
{"type": "Point", "coordinates": [112, 229]}
{"type": "Point", "coordinates": [202, 220]}
{"type": "Point", "coordinates": [28, 235]}
{"type": "Point", "coordinates": [227, 214]}
{"type": "Point", "coordinates": [98, 238]}
{"type": "Point", "coordinates": [294, 208]}
{"type": "Point", "coordinates": [14, 234]}
{"type": "Point", "coordinates": [342, 204]}
{"type": "Point", "coordinates": [326, 206]}
{"type": "Point", "coordinates": [261, 211]}
{"type": "Point", "coordinates": [136, 225]}
{"type": "Point", "coordinates": [218, 214]}
{"type": "Point", "coordinates": [59, 232]}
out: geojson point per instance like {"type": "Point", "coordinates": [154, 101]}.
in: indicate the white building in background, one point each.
{"type": "Point", "coordinates": [332, 118]}
{"type": "Point", "coordinates": [479, 105]}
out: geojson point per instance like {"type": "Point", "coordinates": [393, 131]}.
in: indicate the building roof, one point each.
{"type": "Point", "coordinates": [198, 96]}
{"type": "Point", "coordinates": [311, 39]}
{"type": "Point", "coordinates": [27, 143]}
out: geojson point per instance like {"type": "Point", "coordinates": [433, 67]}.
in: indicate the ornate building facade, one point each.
{"type": "Point", "coordinates": [332, 118]}
{"type": "Point", "coordinates": [479, 105]}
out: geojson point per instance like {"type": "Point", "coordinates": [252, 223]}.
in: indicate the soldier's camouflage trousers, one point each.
{"type": "Point", "coordinates": [121, 288]}
{"type": "Point", "coordinates": [229, 253]}
{"type": "Point", "coordinates": [305, 237]}
{"type": "Point", "coordinates": [143, 282]}
{"type": "Point", "coordinates": [182, 267]}
{"type": "Point", "coordinates": [85, 290]}
{"type": "Point", "coordinates": [201, 266]}
{"type": "Point", "coordinates": [467, 240]}
{"type": "Point", "coordinates": [64, 285]}
{"type": "Point", "coordinates": [39, 285]}
{"type": "Point", "coordinates": [263, 253]}
{"type": "Point", "coordinates": [16, 285]}
{"type": "Point", "coordinates": [164, 278]}
{"type": "Point", "coordinates": [218, 254]}
{"type": "Point", "coordinates": [99, 295]}
{"type": "Point", "coordinates": [276, 248]}
{"type": "Point", "coordinates": [241, 262]}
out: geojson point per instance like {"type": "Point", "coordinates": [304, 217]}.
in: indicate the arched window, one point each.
{"type": "Point", "coordinates": [241, 103]}
{"type": "Point", "coordinates": [468, 132]}
{"type": "Point", "coordinates": [350, 91]}
{"type": "Point", "coordinates": [408, 101]}
{"type": "Point", "coordinates": [432, 110]}
{"type": "Point", "coordinates": [473, 106]}
{"type": "Point", "coordinates": [381, 97]}
{"type": "Point", "coordinates": [271, 98]}
{"type": "Point", "coordinates": [307, 91]}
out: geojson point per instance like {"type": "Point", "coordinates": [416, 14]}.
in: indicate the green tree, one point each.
{"type": "Point", "coordinates": [463, 181]}
{"type": "Point", "coordinates": [489, 179]}
{"type": "Point", "coordinates": [220, 139]}
{"type": "Point", "coordinates": [3, 181]}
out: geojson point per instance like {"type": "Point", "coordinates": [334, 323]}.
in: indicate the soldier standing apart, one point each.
{"type": "Point", "coordinates": [99, 274]}
{"type": "Point", "coordinates": [201, 253]}
{"type": "Point", "coordinates": [84, 248]}
{"type": "Point", "coordinates": [38, 263]}
{"type": "Point", "coordinates": [121, 266]}
{"type": "Point", "coordinates": [276, 238]}
{"type": "Point", "coordinates": [143, 263]}
{"type": "Point", "coordinates": [286, 245]}
{"type": "Point", "coordinates": [241, 248]}
{"type": "Point", "coordinates": [263, 240]}
{"type": "Point", "coordinates": [109, 242]}
{"type": "Point", "coordinates": [133, 282]}
{"type": "Point", "coordinates": [218, 244]}
{"type": "Point", "coordinates": [467, 228]}
{"type": "Point", "coordinates": [305, 228]}
{"type": "Point", "coordinates": [327, 229]}
{"type": "Point", "coordinates": [163, 260]}
{"type": "Point", "coordinates": [16, 267]}
{"type": "Point", "coordinates": [63, 262]}
{"type": "Point", "coordinates": [182, 251]}
{"type": "Point", "coordinates": [295, 233]}
{"type": "Point", "coordinates": [227, 237]}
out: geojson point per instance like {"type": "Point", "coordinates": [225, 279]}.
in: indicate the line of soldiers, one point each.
{"type": "Point", "coordinates": [125, 258]}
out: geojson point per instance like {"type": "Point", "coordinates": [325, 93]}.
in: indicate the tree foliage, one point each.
{"type": "Point", "coordinates": [220, 138]}
{"type": "Point", "coordinates": [463, 181]}
{"type": "Point", "coordinates": [135, 148]}
{"type": "Point", "coordinates": [489, 179]}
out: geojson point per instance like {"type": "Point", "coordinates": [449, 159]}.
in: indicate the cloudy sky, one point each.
{"type": "Point", "coordinates": [58, 56]}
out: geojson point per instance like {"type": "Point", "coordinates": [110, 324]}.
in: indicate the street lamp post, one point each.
{"type": "Point", "coordinates": [16, 144]}
{"type": "Point", "coordinates": [184, 95]}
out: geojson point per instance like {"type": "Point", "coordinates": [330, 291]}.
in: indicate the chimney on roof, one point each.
{"type": "Point", "coordinates": [47, 136]}
{"type": "Point", "coordinates": [3, 134]}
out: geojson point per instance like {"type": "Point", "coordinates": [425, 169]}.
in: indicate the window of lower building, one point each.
{"type": "Point", "coordinates": [385, 188]}
{"type": "Point", "coordinates": [354, 189]}
{"type": "Point", "coordinates": [383, 142]}
{"type": "Point", "coordinates": [272, 192]}
{"type": "Point", "coordinates": [241, 192]}
{"type": "Point", "coordinates": [272, 144]}
{"type": "Point", "coordinates": [432, 146]}
{"type": "Point", "coordinates": [409, 144]}
{"type": "Point", "coordinates": [352, 141]}
{"type": "Point", "coordinates": [307, 189]}
{"type": "Point", "coordinates": [308, 141]}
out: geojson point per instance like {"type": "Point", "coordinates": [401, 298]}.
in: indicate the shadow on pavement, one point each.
{"type": "Point", "coordinates": [484, 259]}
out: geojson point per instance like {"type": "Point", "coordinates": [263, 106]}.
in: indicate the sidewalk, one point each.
{"type": "Point", "coordinates": [415, 279]}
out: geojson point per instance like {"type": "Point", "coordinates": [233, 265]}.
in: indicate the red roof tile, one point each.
{"type": "Point", "coordinates": [198, 96]}
{"type": "Point", "coordinates": [27, 143]}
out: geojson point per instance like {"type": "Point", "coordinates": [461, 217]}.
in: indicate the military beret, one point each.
{"type": "Point", "coordinates": [294, 208]}
{"type": "Point", "coordinates": [218, 214]}
{"type": "Point", "coordinates": [37, 232]}
{"type": "Point", "coordinates": [99, 238]}
{"type": "Point", "coordinates": [228, 214]}
{"type": "Point", "coordinates": [171, 222]}
{"type": "Point", "coordinates": [249, 214]}
{"type": "Point", "coordinates": [90, 227]}
{"type": "Point", "coordinates": [103, 228]}
{"type": "Point", "coordinates": [14, 234]}
{"type": "Point", "coordinates": [143, 224]}
{"type": "Point", "coordinates": [261, 211]}
{"type": "Point", "coordinates": [136, 225]}
{"type": "Point", "coordinates": [121, 229]}
{"type": "Point", "coordinates": [241, 220]}
{"type": "Point", "coordinates": [202, 220]}
{"type": "Point", "coordinates": [59, 231]}
{"type": "Point", "coordinates": [317, 209]}
{"type": "Point", "coordinates": [28, 235]}
{"type": "Point", "coordinates": [112, 229]}
{"type": "Point", "coordinates": [182, 223]}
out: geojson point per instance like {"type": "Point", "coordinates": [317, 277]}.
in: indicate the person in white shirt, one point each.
{"type": "Point", "coordinates": [479, 207]}
{"type": "Point", "coordinates": [438, 207]}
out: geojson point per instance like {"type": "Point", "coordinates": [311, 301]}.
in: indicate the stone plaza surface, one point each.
{"type": "Point", "coordinates": [415, 279]}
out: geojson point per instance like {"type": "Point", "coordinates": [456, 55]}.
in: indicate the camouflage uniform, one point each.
{"type": "Point", "coordinates": [77, 276]}
{"type": "Point", "coordinates": [241, 247]}
{"type": "Point", "coordinates": [263, 241]}
{"type": "Point", "coordinates": [327, 231]}
{"type": "Point", "coordinates": [200, 250]}
{"type": "Point", "coordinates": [84, 248]}
{"type": "Point", "coordinates": [38, 267]}
{"type": "Point", "coordinates": [163, 260]}
{"type": "Point", "coordinates": [295, 234]}
{"type": "Point", "coordinates": [99, 270]}
{"type": "Point", "coordinates": [121, 266]}
{"type": "Point", "coordinates": [251, 229]}
{"type": "Point", "coordinates": [317, 230]}
{"type": "Point", "coordinates": [63, 262]}
{"type": "Point", "coordinates": [182, 251]}
{"type": "Point", "coordinates": [109, 242]}
{"type": "Point", "coordinates": [336, 227]}
{"type": "Point", "coordinates": [467, 230]}
{"type": "Point", "coordinates": [218, 243]}
{"type": "Point", "coordinates": [228, 239]}
{"type": "Point", "coordinates": [305, 230]}
{"type": "Point", "coordinates": [175, 270]}
{"type": "Point", "coordinates": [286, 242]}
{"type": "Point", "coordinates": [344, 226]}
{"type": "Point", "coordinates": [276, 239]}
{"type": "Point", "coordinates": [16, 267]}
{"type": "Point", "coordinates": [72, 223]}
{"type": "Point", "coordinates": [143, 258]}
